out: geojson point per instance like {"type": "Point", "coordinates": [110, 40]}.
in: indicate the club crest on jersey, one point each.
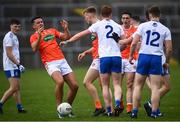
{"type": "Point", "coordinates": [154, 25]}
{"type": "Point", "coordinates": [48, 37]}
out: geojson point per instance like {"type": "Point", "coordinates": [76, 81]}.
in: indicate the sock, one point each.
{"type": "Point", "coordinates": [117, 103]}
{"type": "Point", "coordinates": [158, 111]}
{"type": "Point", "coordinates": [98, 104]}
{"type": "Point", "coordinates": [108, 109]}
{"type": "Point", "coordinates": [129, 107]}
{"type": "Point", "coordinates": [1, 104]}
{"type": "Point", "coordinates": [135, 111]}
{"type": "Point", "coordinates": [122, 104]}
{"type": "Point", "coordinates": [154, 113]}
{"type": "Point", "coordinates": [19, 106]}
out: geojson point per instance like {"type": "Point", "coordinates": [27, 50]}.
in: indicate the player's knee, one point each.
{"type": "Point", "coordinates": [60, 83]}
{"type": "Point", "coordinates": [75, 87]}
{"type": "Point", "coordinates": [86, 84]}
{"type": "Point", "coordinates": [168, 88]}
{"type": "Point", "coordinates": [14, 89]}
{"type": "Point", "coordinates": [129, 85]}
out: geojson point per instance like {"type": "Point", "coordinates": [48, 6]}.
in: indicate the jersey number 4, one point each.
{"type": "Point", "coordinates": [154, 38]}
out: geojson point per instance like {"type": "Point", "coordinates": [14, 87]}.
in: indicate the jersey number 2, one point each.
{"type": "Point", "coordinates": [153, 41]}
{"type": "Point", "coordinates": [109, 32]}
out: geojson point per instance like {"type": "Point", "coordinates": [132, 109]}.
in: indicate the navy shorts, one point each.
{"type": "Point", "coordinates": [110, 64]}
{"type": "Point", "coordinates": [149, 65]}
{"type": "Point", "coordinates": [13, 73]}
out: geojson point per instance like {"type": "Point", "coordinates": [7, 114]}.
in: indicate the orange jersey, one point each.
{"type": "Point", "coordinates": [48, 47]}
{"type": "Point", "coordinates": [95, 46]}
{"type": "Point", "coordinates": [128, 32]}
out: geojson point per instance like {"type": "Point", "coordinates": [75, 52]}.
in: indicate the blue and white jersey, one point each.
{"type": "Point", "coordinates": [10, 40]}
{"type": "Point", "coordinates": [107, 46]}
{"type": "Point", "coordinates": [153, 34]}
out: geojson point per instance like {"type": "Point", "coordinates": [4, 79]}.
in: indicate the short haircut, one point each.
{"type": "Point", "coordinates": [37, 17]}
{"type": "Point", "coordinates": [126, 12]}
{"type": "Point", "coordinates": [106, 11]}
{"type": "Point", "coordinates": [155, 11]}
{"type": "Point", "coordinates": [147, 14]}
{"type": "Point", "coordinates": [90, 9]}
{"type": "Point", "coordinates": [15, 21]}
{"type": "Point", "coordinates": [136, 18]}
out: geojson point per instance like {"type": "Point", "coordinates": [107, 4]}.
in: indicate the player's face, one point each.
{"type": "Point", "coordinates": [38, 23]}
{"type": "Point", "coordinates": [88, 18]}
{"type": "Point", "coordinates": [15, 28]}
{"type": "Point", "coordinates": [126, 19]}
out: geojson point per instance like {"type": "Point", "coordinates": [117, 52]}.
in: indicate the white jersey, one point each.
{"type": "Point", "coordinates": [107, 46]}
{"type": "Point", "coordinates": [11, 40]}
{"type": "Point", "coordinates": [153, 34]}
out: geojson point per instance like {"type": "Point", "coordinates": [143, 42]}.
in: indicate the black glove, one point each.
{"type": "Point", "coordinates": [115, 37]}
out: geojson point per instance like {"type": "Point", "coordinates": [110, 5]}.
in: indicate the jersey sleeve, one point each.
{"type": "Point", "coordinates": [121, 30]}
{"type": "Point", "coordinates": [167, 35]}
{"type": "Point", "coordinates": [93, 28]}
{"type": "Point", "coordinates": [139, 30]}
{"type": "Point", "coordinates": [57, 33]}
{"type": "Point", "coordinates": [8, 40]}
{"type": "Point", "coordinates": [33, 38]}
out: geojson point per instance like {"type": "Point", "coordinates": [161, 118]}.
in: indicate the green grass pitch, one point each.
{"type": "Point", "coordinates": [37, 90]}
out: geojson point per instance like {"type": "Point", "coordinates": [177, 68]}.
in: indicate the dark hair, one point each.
{"type": "Point", "coordinates": [147, 15]}
{"type": "Point", "coordinates": [155, 11]}
{"type": "Point", "coordinates": [106, 11]}
{"type": "Point", "coordinates": [126, 12]}
{"type": "Point", "coordinates": [14, 21]}
{"type": "Point", "coordinates": [136, 18]}
{"type": "Point", "coordinates": [37, 17]}
{"type": "Point", "coordinates": [90, 9]}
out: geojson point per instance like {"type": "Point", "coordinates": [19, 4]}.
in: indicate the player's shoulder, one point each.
{"type": "Point", "coordinates": [9, 35]}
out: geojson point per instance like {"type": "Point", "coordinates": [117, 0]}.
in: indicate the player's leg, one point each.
{"type": "Point", "coordinates": [105, 78]}
{"type": "Point", "coordinates": [90, 77]}
{"type": "Point", "coordinates": [129, 85]}
{"type": "Point", "coordinates": [73, 85]}
{"type": "Point", "coordinates": [17, 97]}
{"type": "Point", "coordinates": [14, 86]}
{"type": "Point", "coordinates": [59, 83]}
{"type": "Point", "coordinates": [138, 85]}
{"type": "Point", "coordinates": [155, 93]}
{"type": "Point", "coordinates": [116, 76]}
{"type": "Point", "coordinates": [165, 88]}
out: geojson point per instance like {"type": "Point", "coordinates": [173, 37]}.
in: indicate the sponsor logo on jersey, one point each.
{"type": "Point", "coordinates": [48, 37]}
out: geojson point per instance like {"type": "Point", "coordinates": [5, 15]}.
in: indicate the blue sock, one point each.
{"type": "Point", "coordinates": [19, 106]}
{"type": "Point", "coordinates": [154, 113]}
{"type": "Point", "coordinates": [108, 109]}
{"type": "Point", "coordinates": [117, 103]}
{"type": "Point", "coordinates": [158, 111]}
{"type": "Point", "coordinates": [135, 111]}
{"type": "Point", "coordinates": [1, 104]}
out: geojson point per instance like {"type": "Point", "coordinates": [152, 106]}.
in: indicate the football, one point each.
{"type": "Point", "coordinates": [64, 109]}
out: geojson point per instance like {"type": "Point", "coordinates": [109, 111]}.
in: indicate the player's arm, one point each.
{"type": "Point", "coordinates": [126, 41]}
{"type": "Point", "coordinates": [168, 50]}
{"type": "Point", "coordinates": [133, 46]}
{"type": "Point", "coordinates": [35, 44]}
{"type": "Point", "coordinates": [81, 55]}
{"type": "Point", "coordinates": [66, 35]}
{"type": "Point", "coordinates": [76, 37]}
{"type": "Point", "coordinates": [11, 56]}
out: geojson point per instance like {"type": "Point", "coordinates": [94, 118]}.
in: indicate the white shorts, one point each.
{"type": "Point", "coordinates": [95, 64]}
{"type": "Point", "coordinates": [58, 65]}
{"type": "Point", "coordinates": [127, 67]}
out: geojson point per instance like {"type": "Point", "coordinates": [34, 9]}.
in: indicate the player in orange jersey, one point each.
{"type": "Point", "coordinates": [44, 41]}
{"type": "Point", "coordinates": [127, 68]}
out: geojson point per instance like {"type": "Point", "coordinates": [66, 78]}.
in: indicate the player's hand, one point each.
{"type": "Point", "coordinates": [63, 43]}
{"type": "Point", "coordinates": [21, 68]}
{"type": "Point", "coordinates": [81, 56]}
{"type": "Point", "coordinates": [40, 30]}
{"type": "Point", "coordinates": [115, 37]}
{"type": "Point", "coordinates": [166, 65]}
{"type": "Point", "coordinates": [64, 24]}
{"type": "Point", "coordinates": [131, 60]}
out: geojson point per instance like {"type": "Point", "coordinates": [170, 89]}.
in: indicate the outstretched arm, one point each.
{"type": "Point", "coordinates": [76, 37]}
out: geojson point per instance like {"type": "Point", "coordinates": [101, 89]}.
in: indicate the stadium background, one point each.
{"type": "Point", "coordinates": [54, 10]}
